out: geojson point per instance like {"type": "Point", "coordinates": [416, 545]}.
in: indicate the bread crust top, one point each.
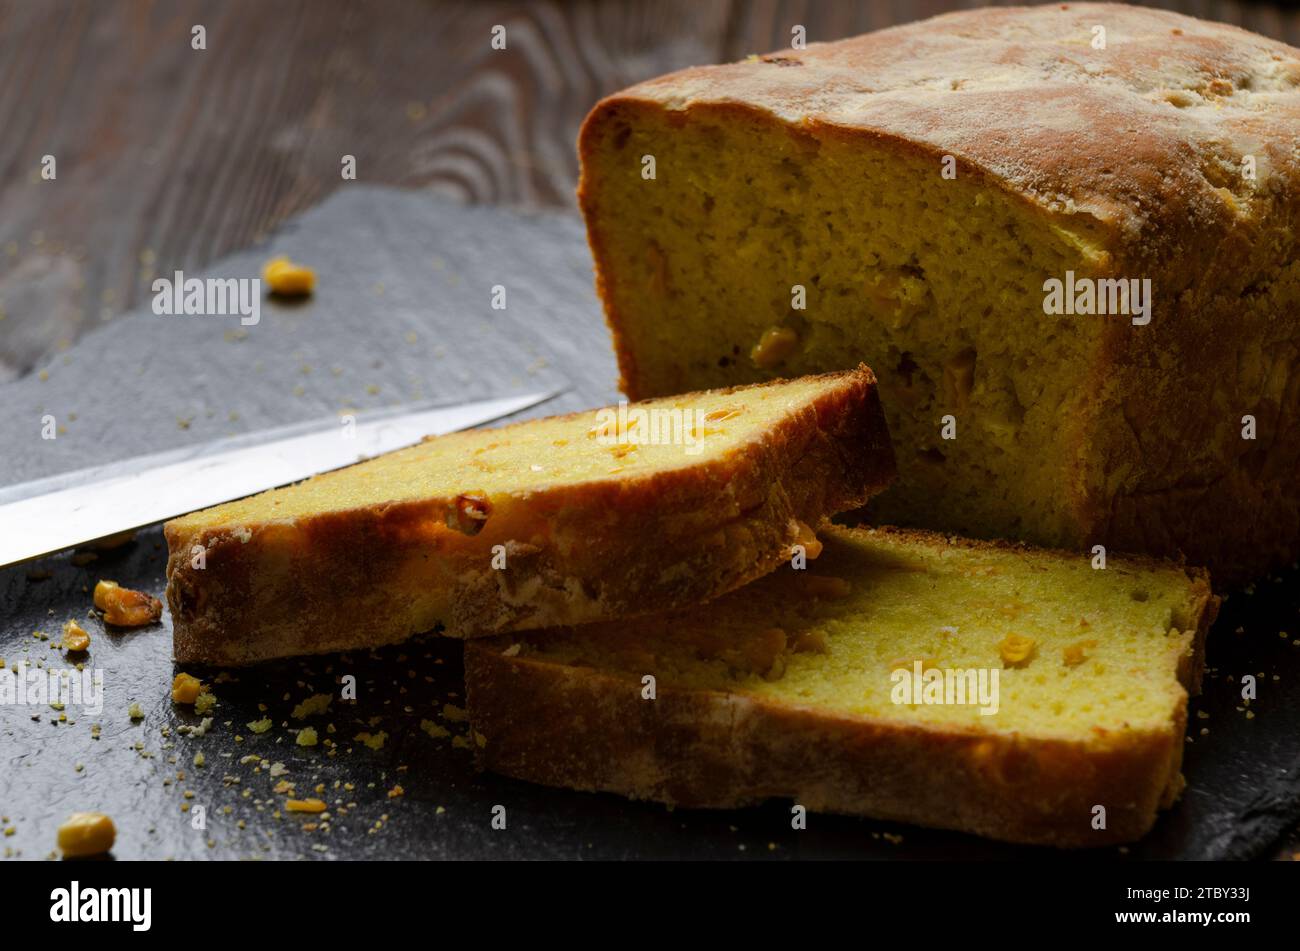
{"type": "Point", "coordinates": [1125, 145]}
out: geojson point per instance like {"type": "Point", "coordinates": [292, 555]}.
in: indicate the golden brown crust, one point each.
{"type": "Point", "coordinates": [590, 729]}
{"type": "Point", "coordinates": [945, 86]}
{"type": "Point", "coordinates": [575, 553]}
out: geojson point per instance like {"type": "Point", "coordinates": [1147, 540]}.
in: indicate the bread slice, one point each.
{"type": "Point", "coordinates": [879, 198]}
{"type": "Point", "coordinates": [789, 688]}
{"type": "Point", "coordinates": [602, 514]}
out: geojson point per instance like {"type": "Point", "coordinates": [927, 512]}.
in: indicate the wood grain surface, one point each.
{"type": "Point", "coordinates": [168, 157]}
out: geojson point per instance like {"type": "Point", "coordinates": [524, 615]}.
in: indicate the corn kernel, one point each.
{"type": "Point", "coordinates": [123, 607]}
{"type": "Point", "coordinates": [287, 279]}
{"type": "Point", "coordinates": [86, 833]}
{"type": "Point", "coordinates": [1076, 654]}
{"type": "Point", "coordinates": [186, 689]}
{"type": "Point", "coordinates": [807, 537]}
{"type": "Point", "coordinates": [75, 637]}
{"type": "Point", "coordinates": [304, 805]}
{"type": "Point", "coordinates": [1016, 650]}
{"type": "Point", "coordinates": [774, 346]}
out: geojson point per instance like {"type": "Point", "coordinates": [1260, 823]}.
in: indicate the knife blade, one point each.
{"type": "Point", "coordinates": [48, 515]}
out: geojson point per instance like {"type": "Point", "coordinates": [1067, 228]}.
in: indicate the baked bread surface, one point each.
{"type": "Point", "coordinates": [1166, 153]}
{"type": "Point", "coordinates": [786, 689]}
{"type": "Point", "coordinates": [555, 521]}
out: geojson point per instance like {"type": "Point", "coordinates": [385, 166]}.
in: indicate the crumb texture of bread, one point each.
{"type": "Point", "coordinates": [563, 520]}
{"type": "Point", "coordinates": [920, 185]}
{"type": "Point", "coordinates": [788, 688]}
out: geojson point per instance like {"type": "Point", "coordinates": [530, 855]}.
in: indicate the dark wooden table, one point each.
{"type": "Point", "coordinates": [168, 157]}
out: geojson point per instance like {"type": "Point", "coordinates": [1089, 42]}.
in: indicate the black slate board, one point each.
{"type": "Point", "coordinates": [393, 265]}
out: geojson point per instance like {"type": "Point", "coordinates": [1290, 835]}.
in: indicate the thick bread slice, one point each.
{"type": "Point", "coordinates": [971, 204]}
{"type": "Point", "coordinates": [787, 688]}
{"type": "Point", "coordinates": [557, 521]}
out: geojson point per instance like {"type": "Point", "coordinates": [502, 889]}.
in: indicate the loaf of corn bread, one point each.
{"type": "Point", "coordinates": [603, 514]}
{"type": "Point", "coordinates": [1063, 236]}
{"type": "Point", "coordinates": [829, 686]}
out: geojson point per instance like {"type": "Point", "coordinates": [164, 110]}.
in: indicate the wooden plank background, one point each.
{"type": "Point", "coordinates": [170, 157]}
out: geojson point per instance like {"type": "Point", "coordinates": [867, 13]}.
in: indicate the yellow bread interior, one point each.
{"type": "Point", "coordinates": [936, 283]}
{"type": "Point", "coordinates": [1110, 650]}
{"type": "Point", "coordinates": [531, 457]}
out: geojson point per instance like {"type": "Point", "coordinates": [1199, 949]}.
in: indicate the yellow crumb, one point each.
{"type": "Point", "coordinates": [317, 703]}
{"type": "Point", "coordinates": [434, 730]}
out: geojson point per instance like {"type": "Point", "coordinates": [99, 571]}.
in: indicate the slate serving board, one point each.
{"type": "Point", "coordinates": [402, 313]}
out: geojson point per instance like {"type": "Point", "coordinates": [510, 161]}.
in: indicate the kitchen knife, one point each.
{"type": "Point", "coordinates": [51, 514]}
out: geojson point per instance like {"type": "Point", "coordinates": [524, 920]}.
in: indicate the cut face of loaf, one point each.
{"type": "Point", "coordinates": [556, 521]}
{"type": "Point", "coordinates": [905, 198]}
{"type": "Point", "coordinates": [790, 688]}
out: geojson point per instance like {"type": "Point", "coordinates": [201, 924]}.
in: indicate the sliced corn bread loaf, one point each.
{"type": "Point", "coordinates": [954, 202]}
{"type": "Point", "coordinates": [813, 685]}
{"type": "Point", "coordinates": [594, 515]}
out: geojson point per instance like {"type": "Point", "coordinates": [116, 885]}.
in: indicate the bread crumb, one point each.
{"type": "Point", "coordinates": [434, 730]}
{"type": "Point", "coordinates": [260, 726]}
{"type": "Point", "coordinates": [316, 703]}
{"type": "Point", "coordinates": [307, 736]}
